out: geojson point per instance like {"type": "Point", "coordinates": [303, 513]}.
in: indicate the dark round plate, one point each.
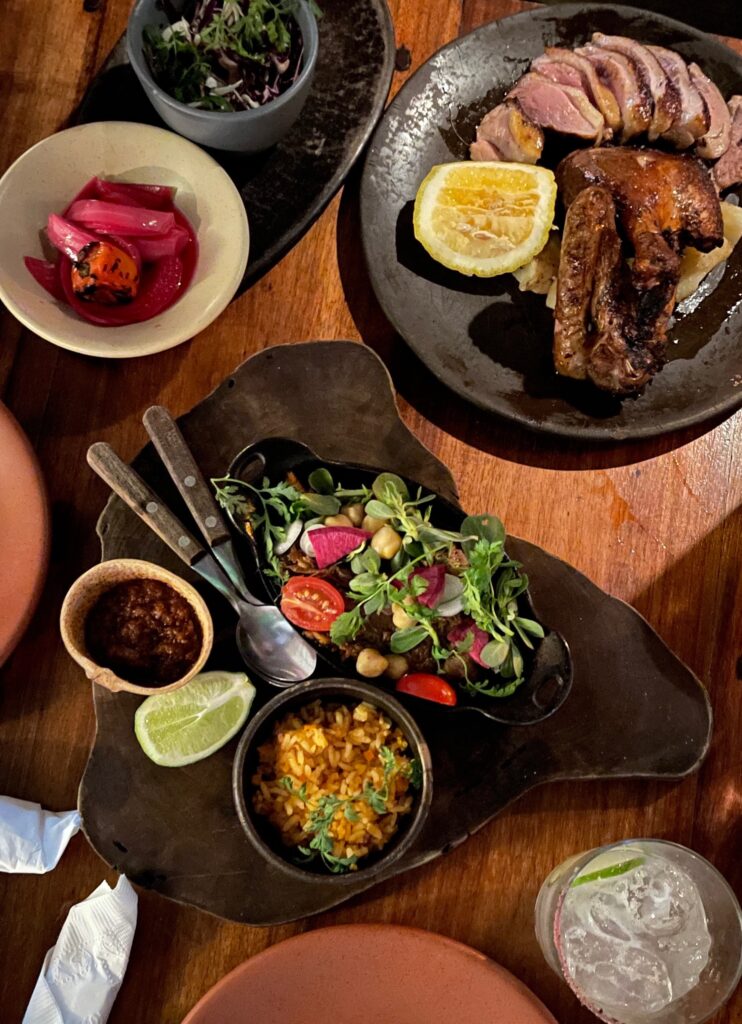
{"type": "Point", "coordinates": [483, 338]}
{"type": "Point", "coordinates": [287, 188]}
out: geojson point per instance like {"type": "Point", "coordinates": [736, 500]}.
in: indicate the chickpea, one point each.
{"type": "Point", "coordinates": [371, 524]}
{"type": "Point", "coordinates": [370, 663]}
{"type": "Point", "coordinates": [400, 618]}
{"type": "Point", "coordinates": [397, 666]}
{"type": "Point", "coordinates": [354, 513]}
{"type": "Point", "coordinates": [339, 520]}
{"type": "Point", "coordinates": [386, 542]}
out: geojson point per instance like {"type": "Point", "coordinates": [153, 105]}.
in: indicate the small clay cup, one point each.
{"type": "Point", "coordinates": [86, 590]}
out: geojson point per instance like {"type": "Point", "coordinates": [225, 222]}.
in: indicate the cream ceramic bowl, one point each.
{"type": "Point", "coordinates": [46, 178]}
{"type": "Point", "coordinates": [86, 590]}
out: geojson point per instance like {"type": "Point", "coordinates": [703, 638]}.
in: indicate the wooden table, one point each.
{"type": "Point", "coordinates": [657, 524]}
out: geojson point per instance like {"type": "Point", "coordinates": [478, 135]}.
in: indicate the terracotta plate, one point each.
{"type": "Point", "coordinates": [24, 538]}
{"type": "Point", "coordinates": [484, 338]}
{"type": "Point", "coordinates": [375, 973]}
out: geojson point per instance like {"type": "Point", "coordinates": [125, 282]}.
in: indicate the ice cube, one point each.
{"type": "Point", "coordinates": [606, 911]}
{"type": "Point", "coordinates": [619, 977]}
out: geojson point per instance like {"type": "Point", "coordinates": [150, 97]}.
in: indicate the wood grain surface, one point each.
{"type": "Point", "coordinates": [657, 524]}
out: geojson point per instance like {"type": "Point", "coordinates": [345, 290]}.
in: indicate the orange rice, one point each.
{"type": "Point", "coordinates": [333, 750]}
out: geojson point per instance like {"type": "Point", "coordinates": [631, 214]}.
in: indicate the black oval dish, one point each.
{"type": "Point", "coordinates": [483, 338]}
{"type": "Point", "coordinates": [286, 188]}
{"type": "Point", "coordinates": [549, 667]}
{"type": "Point", "coordinates": [261, 833]}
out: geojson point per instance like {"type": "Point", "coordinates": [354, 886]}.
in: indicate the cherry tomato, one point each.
{"type": "Point", "coordinates": [429, 687]}
{"type": "Point", "coordinates": [311, 603]}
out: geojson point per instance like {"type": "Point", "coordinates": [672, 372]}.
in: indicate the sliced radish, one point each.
{"type": "Point", "coordinates": [293, 532]}
{"type": "Point", "coordinates": [306, 543]}
{"type": "Point", "coordinates": [448, 608]}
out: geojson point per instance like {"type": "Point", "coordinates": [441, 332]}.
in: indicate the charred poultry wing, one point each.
{"type": "Point", "coordinates": [611, 316]}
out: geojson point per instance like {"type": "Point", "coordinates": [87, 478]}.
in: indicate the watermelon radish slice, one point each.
{"type": "Point", "coordinates": [331, 543]}
{"type": "Point", "coordinates": [435, 576]}
{"type": "Point", "coordinates": [481, 639]}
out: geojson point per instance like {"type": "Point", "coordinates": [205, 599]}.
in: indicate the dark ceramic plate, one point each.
{"type": "Point", "coordinates": [548, 669]}
{"type": "Point", "coordinates": [634, 708]}
{"type": "Point", "coordinates": [483, 338]}
{"type": "Point", "coordinates": [288, 187]}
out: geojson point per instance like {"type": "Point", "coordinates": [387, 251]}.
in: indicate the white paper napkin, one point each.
{"type": "Point", "coordinates": [81, 975]}
{"type": "Point", "coordinates": [31, 839]}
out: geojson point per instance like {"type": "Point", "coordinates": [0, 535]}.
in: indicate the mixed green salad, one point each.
{"type": "Point", "coordinates": [368, 572]}
{"type": "Point", "coordinates": [227, 55]}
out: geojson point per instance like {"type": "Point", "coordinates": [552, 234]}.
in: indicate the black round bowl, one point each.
{"type": "Point", "coordinates": [264, 836]}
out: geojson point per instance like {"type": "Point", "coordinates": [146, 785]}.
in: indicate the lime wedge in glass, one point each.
{"type": "Point", "coordinates": [193, 722]}
{"type": "Point", "coordinates": [610, 872]}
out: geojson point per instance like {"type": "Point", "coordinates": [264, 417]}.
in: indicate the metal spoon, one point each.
{"type": "Point", "coordinates": [267, 642]}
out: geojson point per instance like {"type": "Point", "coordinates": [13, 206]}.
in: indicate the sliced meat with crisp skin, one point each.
{"type": "Point", "coordinates": [560, 108]}
{"type": "Point", "coordinates": [601, 96]}
{"type": "Point", "coordinates": [482, 150]}
{"type": "Point", "coordinates": [633, 96]}
{"type": "Point", "coordinates": [665, 99]}
{"type": "Point", "coordinates": [558, 71]}
{"type": "Point", "coordinates": [728, 170]}
{"type": "Point", "coordinates": [511, 134]}
{"type": "Point", "coordinates": [692, 119]}
{"type": "Point", "coordinates": [715, 142]}
{"type": "Point", "coordinates": [590, 221]}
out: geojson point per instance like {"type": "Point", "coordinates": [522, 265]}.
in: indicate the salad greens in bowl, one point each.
{"type": "Point", "coordinates": [395, 584]}
{"type": "Point", "coordinates": [230, 74]}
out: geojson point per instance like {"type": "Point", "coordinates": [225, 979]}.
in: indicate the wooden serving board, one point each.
{"type": "Point", "coordinates": [634, 710]}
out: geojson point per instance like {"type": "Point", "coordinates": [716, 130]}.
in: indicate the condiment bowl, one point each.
{"type": "Point", "coordinates": [47, 177]}
{"type": "Point", "coordinates": [86, 590]}
{"type": "Point", "coordinates": [243, 131]}
{"type": "Point", "coordinates": [259, 830]}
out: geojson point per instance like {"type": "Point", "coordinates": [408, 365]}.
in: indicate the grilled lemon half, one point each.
{"type": "Point", "coordinates": [482, 218]}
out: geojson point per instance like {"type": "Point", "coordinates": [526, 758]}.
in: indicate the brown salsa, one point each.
{"type": "Point", "coordinates": [145, 631]}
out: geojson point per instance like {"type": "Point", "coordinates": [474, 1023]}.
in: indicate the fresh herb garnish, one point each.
{"type": "Point", "coordinates": [492, 583]}
{"type": "Point", "coordinates": [321, 817]}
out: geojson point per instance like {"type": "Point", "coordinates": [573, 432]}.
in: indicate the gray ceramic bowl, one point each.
{"type": "Point", "coordinates": [259, 830]}
{"type": "Point", "coordinates": [245, 131]}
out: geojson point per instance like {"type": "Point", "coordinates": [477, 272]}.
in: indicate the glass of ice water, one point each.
{"type": "Point", "coordinates": [642, 931]}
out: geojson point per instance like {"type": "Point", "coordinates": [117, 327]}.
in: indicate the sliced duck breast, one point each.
{"type": "Point", "coordinates": [565, 74]}
{"type": "Point", "coordinates": [692, 120]}
{"type": "Point", "coordinates": [484, 151]}
{"type": "Point", "coordinates": [728, 170]}
{"type": "Point", "coordinates": [506, 133]}
{"type": "Point", "coordinates": [631, 92]}
{"type": "Point", "coordinates": [558, 107]}
{"type": "Point", "coordinates": [599, 94]}
{"type": "Point", "coordinates": [716, 140]}
{"type": "Point", "coordinates": [557, 71]}
{"type": "Point", "coordinates": [665, 98]}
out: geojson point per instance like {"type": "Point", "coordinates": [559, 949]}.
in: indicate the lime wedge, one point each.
{"type": "Point", "coordinates": [191, 723]}
{"type": "Point", "coordinates": [610, 872]}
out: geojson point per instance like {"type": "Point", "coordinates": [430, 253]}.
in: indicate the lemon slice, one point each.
{"type": "Point", "coordinates": [189, 724]}
{"type": "Point", "coordinates": [485, 219]}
